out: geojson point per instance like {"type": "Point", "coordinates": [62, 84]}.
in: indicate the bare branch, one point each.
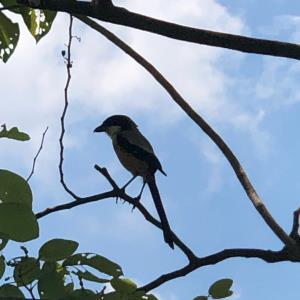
{"type": "Point", "coordinates": [121, 16]}
{"type": "Point", "coordinates": [216, 138]}
{"type": "Point", "coordinates": [105, 173]}
{"type": "Point", "coordinates": [37, 154]}
{"type": "Point", "coordinates": [294, 233]}
{"type": "Point", "coordinates": [62, 118]}
{"type": "Point", "coordinates": [266, 255]}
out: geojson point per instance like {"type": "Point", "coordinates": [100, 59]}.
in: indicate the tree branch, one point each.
{"type": "Point", "coordinates": [121, 16]}
{"type": "Point", "coordinates": [266, 255]}
{"type": "Point", "coordinates": [232, 159]}
{"type": "Point", "coordinates": [294, 233]}
{"type": "Point", "coordinates": [37, 154]}
{"type": "Point", "coordinates": [62, 118]}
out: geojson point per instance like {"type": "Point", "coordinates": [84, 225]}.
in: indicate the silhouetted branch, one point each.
{"type": "Point", "coordinates": [105, 173]}
{"type": "Point", "coordinates": [266, 255]}
{"type": "Point", "coordinates": [62, 118]}
{"type": "Point", "coordinates": [295, 229]}
{"type": "Point", "coordinates": [232, 159]}
{"type": "Point", "coordinates": [122, 16]}
{"type": "Point", "coordinates": [37, 154]}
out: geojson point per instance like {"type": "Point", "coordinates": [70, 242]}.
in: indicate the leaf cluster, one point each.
{"type": "Point", "coordinates": [37, 21]}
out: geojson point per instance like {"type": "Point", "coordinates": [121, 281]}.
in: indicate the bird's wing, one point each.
{"type": "Point", "coordinates": [138, 146]}
{"type": "Point", "coordinates": [135, 137]}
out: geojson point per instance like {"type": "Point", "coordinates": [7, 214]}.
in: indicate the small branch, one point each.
{"type": "Point", "coordinates": [105, 173]}
{"type": "Point", "coordinates": [266, 255]}
{"type": "Point", "coordinates": [295, 229]}
{"type": "Point", "coordinates": [37, 154]}
{"type": "Point", "coordinates": [62, 118]}
{"type": "Point", "coordinates": [122, 16]}
{"type": "Point", "coordinates": [214, 136]}
{"type": "Point", "coordinates": [77, 202]}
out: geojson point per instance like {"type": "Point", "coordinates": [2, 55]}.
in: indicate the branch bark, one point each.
{"type": "Point", "coordinates": [122, 16]}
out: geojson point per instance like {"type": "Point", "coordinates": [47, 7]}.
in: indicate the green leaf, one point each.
{"type": "Point", "coordinates": [221, 288]}
{"type": "Point", "coordinates": [57, 249]}
{"type": "Point", "coordinates": [10, 291]}
{"type": "Point", "coordinates": [13, 133]}
{"type": "Point", "coordinates": [3, 240]}
{"type": "Point", "coordinates": [151, 297]}
{"type": "Point", "coordinates": [9, 36]}
{"type": "Point", "coordinates": [201, 298]}
{"type": "Point", "coordinates": [69, 287]}
{"type": "Point", "coordinates": [14, 189]}
{"type": "Point", "coordinates": [51, 282]}
{"type": "Point", "coordinates": [113, 296]}
{"type": "Point", "coordinates": [123, 285]}
{"type": "Point", "coordinates": [95, 261]}
{"type": "Point", "coordinates": [83, 294]}
{"type": "Point", "coordinates": [38, 21]}
{"type": "Point", "coordinates": [90, 277]}
{"type": "Point", "coordinates": [7, 3]}
{"type": "Point", "coordinates": [2, 266]}
{"type": "Point", "coordinates": [18, 222]}
{"type": "Point", "coordinates": [26, 271]}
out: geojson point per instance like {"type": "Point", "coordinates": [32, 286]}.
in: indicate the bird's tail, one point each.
{"type": "Point", "coordinates": [160, 210]}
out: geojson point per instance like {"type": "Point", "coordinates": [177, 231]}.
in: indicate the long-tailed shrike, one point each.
{"type": "Point", "coordinates": [137, 156]}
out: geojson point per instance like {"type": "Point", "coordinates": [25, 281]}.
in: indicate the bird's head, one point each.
{"type": "Point", "coordinates": [115, 124]}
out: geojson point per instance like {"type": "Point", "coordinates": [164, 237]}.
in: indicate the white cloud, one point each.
{"type": "Point", "coordinates": [104, 80]}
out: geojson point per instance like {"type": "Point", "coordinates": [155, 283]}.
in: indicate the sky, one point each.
{"type": "Point", "coordinates": [251, 100]}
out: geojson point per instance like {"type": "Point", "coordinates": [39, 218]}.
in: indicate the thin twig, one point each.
{"type": "Point", "coordinates": [215, 137]}
{"type": "Point", "coordinates": [37, 154]}
{"type": "Point", "coordinates": [294, 233]}
{"type": "Point", "coordinates": [62, 118]}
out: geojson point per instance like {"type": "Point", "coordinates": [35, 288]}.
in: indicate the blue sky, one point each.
{"type": "Point", "coordinates": [253, 101]}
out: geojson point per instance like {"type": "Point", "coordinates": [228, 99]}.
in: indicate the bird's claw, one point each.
{"type": "Point", "coordinates": [136, 201]}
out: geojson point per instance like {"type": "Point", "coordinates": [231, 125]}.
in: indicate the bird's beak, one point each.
{"type": "Point", "coordinates": [100, 128]}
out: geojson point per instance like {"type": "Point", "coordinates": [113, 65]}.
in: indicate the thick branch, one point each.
{"type": "Point", "coordinates": [232, 159]}
{"type": "Point", "coordinates": [266, 255]}
{"type": "Point", "coordinates": [124, 17]}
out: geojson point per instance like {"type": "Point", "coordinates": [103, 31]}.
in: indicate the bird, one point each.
{"type": "Point", "coordinates": [136, 154]}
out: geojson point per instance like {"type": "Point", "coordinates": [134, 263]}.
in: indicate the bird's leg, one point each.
{"type": "Point", "coordinates": [138, 198]}
{"type": "Point", "coordinates": [126, 185]}
{"type": "Point", "coordinates": [141, 192]}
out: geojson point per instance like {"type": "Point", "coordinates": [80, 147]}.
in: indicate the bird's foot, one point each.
{"type": "Point", "coordinates": [136, 201]}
